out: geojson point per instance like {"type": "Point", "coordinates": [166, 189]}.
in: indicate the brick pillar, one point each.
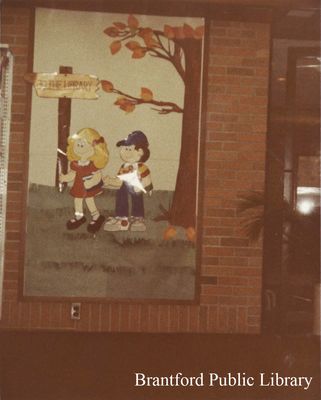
{"type": "Point", "coordinates": [235, 164]}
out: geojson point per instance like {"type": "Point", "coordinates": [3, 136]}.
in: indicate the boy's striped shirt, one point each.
{"type": "Point", "coordinates": [143, 174]}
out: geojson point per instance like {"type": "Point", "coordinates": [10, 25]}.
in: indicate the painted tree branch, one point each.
{"type": "Point", "coordinates": [128, 102]}
{"type": "Point", "coordinates": [173, 58]}
{"type": "Point", "coordinates": [166, 106]}
{"type": "Point", "coordinates": [157, 54]}
{"type": "Point", "coordinates": [170, 44]}
{"type": "Point", "coordinates": [154, 45]}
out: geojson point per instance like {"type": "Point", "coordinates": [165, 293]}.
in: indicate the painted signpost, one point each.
{"type": "Point", "coordinates": [64, 86]}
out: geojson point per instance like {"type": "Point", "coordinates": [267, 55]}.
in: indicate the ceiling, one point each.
{"type": "Point", "coordinates": [256, 3]}
{"type": "Point", "coordinates": [278, 11]}
{"type": "Point", "coordinates": [259, 3]}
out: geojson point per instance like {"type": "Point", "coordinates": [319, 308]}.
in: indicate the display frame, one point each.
{"type": "Point", "coordinates": [201, 178]}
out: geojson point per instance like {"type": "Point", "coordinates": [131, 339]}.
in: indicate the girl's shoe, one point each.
{"type": "Point", "coordinates": [75, 223]}
{"type": "Point", "coordinates": [95, 225]}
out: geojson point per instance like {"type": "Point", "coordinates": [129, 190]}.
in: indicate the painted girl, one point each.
{"type": "Point", "coordinates": [88, 155]}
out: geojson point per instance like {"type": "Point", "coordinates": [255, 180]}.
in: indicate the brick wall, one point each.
{"type": "Point", "coordinates": [234, 163]}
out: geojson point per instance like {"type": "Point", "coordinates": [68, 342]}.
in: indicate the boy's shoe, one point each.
{"type": "Point", "coordinates": [116, 224]}
{"type": "Point", "coordinates": [75, 223]}
{"type": "Point", "coordinates": [138, 225]}
{"type": "Point", "coordinates": [95, 225]}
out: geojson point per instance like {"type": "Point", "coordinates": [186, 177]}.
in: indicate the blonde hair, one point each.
{"type": "Point", "coordinates": [101, 155]}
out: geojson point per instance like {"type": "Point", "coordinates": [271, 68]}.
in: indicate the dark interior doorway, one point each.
{"type": "Point", "coordinates": [292, 220]}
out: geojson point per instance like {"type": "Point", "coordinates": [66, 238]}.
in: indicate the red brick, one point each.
{"type": "Point", "coordinates": [153, 323]}
{"type": "Point", "coordinates": [13, 236]}
{"type": "Point", "coordinates": [173, 318]}
{"type": "Point", "coordinates": [234, 242]}
{"type": "Point", "coordinates": [217, 251]}
{"type": "Point", "coordinates": [106, 317]}
{"type": "Point", "coordinates": [56, 314]}
{"type": "Point", "coordinates": [21, 30]}
{"type": "Point", "coordinates": [241, 319]}
{"type": "Point", "coordinates": [233, 261]}
{"type": "Point", "coordinates": [194, 318]}
{"type": "Point", "coordinates": [14, 314]}
{"type": "Point", "coordinates": [66, 322]}
{"type": "Point", "coordinates": [204, 312]}
{"type": "Point", "coordinates": [254, 301]}
{"type": "Point", "coordinates": [14, 11]}
{"type": "Point", "coordinates": [85, 317]}
{"type": "Point", "coordinates": [220, 231]}
{"type": "Point", "coordinates": [212, 318]}
{"type": "Point", "coordinates": [124, 317]}
{"type": "Point", "coordinates": [233, 300]}
{"type": "Point", "coordinates": [5, 314]}
{"type": "Point", "coordinates": [232, 281]}
{"type": "Point", "coordinates": [216, 290]}
{"type": "Point", "coordinates": [218, 31]}
{"type": "Point", "coordinates": [95, 321]}
{"type": "Point", "coordinates": [209, 299]}
{"type": "Point", "coordinates": [115, 317]}
{"type": "Point", "coordinates": [246, 291]}
{"type": "Point", "coordinates": [209, 260]}
{"type": "Point", "coordinates": [211, 241]}
{"type": "Point", "coordinates": [134, 318]}
{"type": "Point", "coordinates": [35, 315]}
{"type": "Point", "coordinates": [183, 318]}
{"type": "Point", "coordinates": [222, 323]}
{"type": "Point", "coordinates": [8, 285]}
{"type": "Point", "coordinates": [254, 321]}
{"type": "Point", "coordinates": [11, 265]}
{"type": "Point", "coordinates": [144, 318]}
{"type": "Point", "coordinates": [45, 315]}
{"type": "Point", "coordinates": [163, 318]}
{"type": "Point", "coordinates": [8, 20]}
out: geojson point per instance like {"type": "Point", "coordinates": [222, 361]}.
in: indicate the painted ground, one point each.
{"type": "Point", "coordinates": [126, 265]}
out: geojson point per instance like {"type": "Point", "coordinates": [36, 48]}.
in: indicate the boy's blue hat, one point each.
{"type": "Point", "coordinates": [136, 138]}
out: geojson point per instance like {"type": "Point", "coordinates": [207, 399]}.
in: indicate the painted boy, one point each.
{"type": "Point", "coordinates": [132, 181]}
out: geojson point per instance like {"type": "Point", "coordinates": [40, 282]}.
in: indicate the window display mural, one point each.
{"type": "Point", "coordinates": [114, 156]}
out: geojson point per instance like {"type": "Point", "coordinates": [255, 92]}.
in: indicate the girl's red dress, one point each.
{"type": "Point", "coordinates": [82, 172]}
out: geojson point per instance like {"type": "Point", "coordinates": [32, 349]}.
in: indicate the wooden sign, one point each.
{"type": "Point", "coordinates": [72, 86]}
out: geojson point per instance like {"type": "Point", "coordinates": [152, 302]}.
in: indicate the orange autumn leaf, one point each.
{"type": "Point", "coordinates": [121, 101]}
{"type": "Point", "coordinates": [169, 233]}
{"type": "Point", "coordinates": [111, 31]}
{"type": "Point", "coordinates": [132, 45]}
{"type": "Point", "coordinates": [179, 32]}
{"type": "Point", "coordinates": [145, 32]}
{"type": "Point", "coordinates": [191, 234]}
{"type": "Point", "coordinates": [188, 31]}
{"type": "Point", "coordinates": [133, 22]}
{"type": "Point", "coordinates": [115, 47]}
{"type": "Point", "coordinates": [150, 42]}
{"type": "Point", "coordinates": [139, 52]}
{"type": "Point", "coordinates": [125, 104]}
{"type": "Point", "coordinates": [169, 32]}
{"type": "Point", "coordinates": [107, 86]}
{"type": "Point", "coordinates": [199, 32]}
{"type": "Point", "coordinates": [120, 25]}
{"type": "Point", "coordinates": [146, 94]}
{"type": "Point", "coordinates": [128, 108]}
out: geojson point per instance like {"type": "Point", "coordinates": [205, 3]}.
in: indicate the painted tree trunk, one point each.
{"type": "Point", "coordinates": [183, 209]}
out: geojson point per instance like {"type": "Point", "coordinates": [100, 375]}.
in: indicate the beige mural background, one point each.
{"type": "Point", "coordinates": [76, 39]}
